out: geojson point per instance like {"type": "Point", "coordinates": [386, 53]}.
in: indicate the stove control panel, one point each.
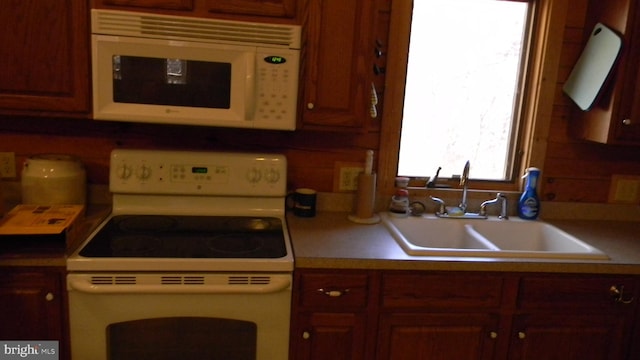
{"type": "Point", "coordinates": [203, 173]}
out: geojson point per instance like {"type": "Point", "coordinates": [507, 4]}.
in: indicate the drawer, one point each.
{"type": "Point", "coordinates": [576, 292]}
{"type": "Point", "coordinates": [450, 291]}
{"type": "Point", "coordinates": [334, 290]}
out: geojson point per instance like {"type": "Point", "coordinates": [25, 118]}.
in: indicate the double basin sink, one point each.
{"type": "Point", "coordinates": [428, 235]}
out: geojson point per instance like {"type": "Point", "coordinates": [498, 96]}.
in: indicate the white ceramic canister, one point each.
{"type": "Point", "coordinates": [53, 179]}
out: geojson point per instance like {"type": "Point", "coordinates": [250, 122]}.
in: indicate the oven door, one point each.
{"type": "Point", "coordinates": [179, 316]}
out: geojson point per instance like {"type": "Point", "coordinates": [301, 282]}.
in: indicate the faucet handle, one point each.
{"type": "Point", "coordinates": [503, 206]}
{"type": "Point", "coordinates": [443, 207]}
{"type": "Point", "coordinates": [502, 199]}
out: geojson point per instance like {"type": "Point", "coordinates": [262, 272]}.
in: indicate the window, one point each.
{"type": "Point", "coordinates": [464, 81]}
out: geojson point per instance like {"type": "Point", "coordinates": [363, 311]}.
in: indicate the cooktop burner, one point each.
{"type": "Point", "coordinates": [160, 236]}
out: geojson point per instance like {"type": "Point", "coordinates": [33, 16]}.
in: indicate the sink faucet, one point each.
{"type": "Point", "coordinates": [463, 182]}
{"type": "Point", "coordinates": [461, 210]}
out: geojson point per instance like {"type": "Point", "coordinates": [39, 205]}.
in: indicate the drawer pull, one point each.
{"type": "Point", "coordinates": [617, 293]}
{"type": "Point", "coordinates": [333, 293]}
{"type": "Point", "coordinates": [49, 297]}
{"type": "Point", "coordinates": [521, 335]}
{"type": "Point", "coordinates": [493, 335]}
{"type": "Point", "coordinates": [306, 335]}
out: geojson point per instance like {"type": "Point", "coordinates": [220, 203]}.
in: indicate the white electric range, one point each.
{"type": "Point", "coordinates": [194, 262]}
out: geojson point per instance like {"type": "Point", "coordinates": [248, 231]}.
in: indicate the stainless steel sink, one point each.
{"type": "Point", "coordinates": [431, 236]}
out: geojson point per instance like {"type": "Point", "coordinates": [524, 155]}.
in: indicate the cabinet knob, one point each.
{"type": "Point", "coordinates": [49, 297]}
{"type": "Point", "coordinates": [306, 335]}
{"type": "Point", "coordinates": [521, 335]}
{"type": "Point", "coordinates": [617, 293]}
{"type": "Point", "coordinates": [493, 334]}
{"type": "Point", "coordinates": [310, 106]}
{"type": "Point", "coordinates": [626, 122]}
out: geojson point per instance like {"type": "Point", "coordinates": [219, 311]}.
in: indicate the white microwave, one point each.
{"type": "Point", "coordinates": [193, 71]}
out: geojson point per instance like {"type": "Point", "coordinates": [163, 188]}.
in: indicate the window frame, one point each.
{"type": "Point", "coordinates": [541, 73]}
{"type": "Point", "coordinates": [517, 119]}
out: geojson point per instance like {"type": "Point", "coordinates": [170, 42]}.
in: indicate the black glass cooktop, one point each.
{"type": "Point", "coordinates": [159, 236]}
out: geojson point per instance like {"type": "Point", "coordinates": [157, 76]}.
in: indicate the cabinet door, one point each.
{"type": "Point", "coordinates": [627, 125]}
{"type": "Point", "coordinates": [31, 306]}
{"type": "Point", "coordinates": [339, 62]}
{"type": "Point", "coordinates": [152, 4]}
{"type": "Point", "coordinates": [626, 121]}
{"type": "Point", "coordinates": [273, 8]}
{"type": "Point", "coordinates": [568, 337]}
{"type": "Point", "coordinates": [45, 57]}
{"type": "Point", "coordinates": [335, 336]}
{"type": "Point", "coordinates": [573, 317]}
{"type": "Point", "coordinates": [437, 336]}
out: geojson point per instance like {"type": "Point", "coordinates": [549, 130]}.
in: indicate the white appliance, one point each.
{"type": "Point", "coordinates": [192, 71]}
{"type": "Point", "coordinates": [194, 262]}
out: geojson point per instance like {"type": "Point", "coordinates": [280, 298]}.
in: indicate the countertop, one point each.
{"type": "Point", "coordinates": [20, 252]}
{"type": "Point", "coordinates": [330, 240]}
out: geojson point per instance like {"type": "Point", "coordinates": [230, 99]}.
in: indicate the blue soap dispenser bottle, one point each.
{"type": "Point", "coordinates": [529, 204]}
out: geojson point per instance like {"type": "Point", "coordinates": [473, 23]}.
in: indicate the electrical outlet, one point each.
{"type": "Point", "coordinates": [7, 164]}
{"type": "Point", "coordinates": [349, 178]}
{"type": "Point", "coordinates": [624, 189]}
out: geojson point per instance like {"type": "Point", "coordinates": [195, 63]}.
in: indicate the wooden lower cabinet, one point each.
{"type": "Point", "coordinates": [437, 336]}
{"type": "Point", "coordinates": [570, 336]}
{"type": "Point", "coordinates": [464, 315]}
{"type": "Point", "coordinates": [33, 306]}
{"type": "Point", "coordinates": [330, 314]}
{"type": "Point", "coordinates": [581, 317]}
{"type": "Point", "coordinates": [332, 335]}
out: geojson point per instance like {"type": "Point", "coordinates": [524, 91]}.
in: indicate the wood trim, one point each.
{"type": "Point", "coordinates": [543, 74]}
{"type": "Point", "coordinates": [396, 74]}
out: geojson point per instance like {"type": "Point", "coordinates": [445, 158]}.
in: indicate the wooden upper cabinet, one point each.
{"type": "Point", "coordinates": [339, 76]}
{"type": "Point", "coordinates": [272, 8]}
{"type": "Point", "coordinates": [284, 9]}
{"type": "Point", "coordinates": [615, 117]}
{"type": "Point", "coordinates": [45, 58]}
{"type": "Point", "coordinates": [153, 4]}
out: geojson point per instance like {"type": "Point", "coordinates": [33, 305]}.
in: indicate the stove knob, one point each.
{"type": "Point", "coordinates": [123, 172]}
{"type": "Point", "coordinates": [272, 176]}
{"type": "Point", "coordinates": [253, 175]}
{"type": "Point", "coordinates": [143, 172]}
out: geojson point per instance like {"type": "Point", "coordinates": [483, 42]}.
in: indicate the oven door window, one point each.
{"type": "Point", "coordinates": [186, 338]}
{"type": "Point", "coordinates": [174, 82]}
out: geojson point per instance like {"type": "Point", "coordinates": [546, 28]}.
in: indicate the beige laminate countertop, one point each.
{"type": "Point", "coordinates": [50, 253]}
{"type": "Point", "coordinates": [330, 240]}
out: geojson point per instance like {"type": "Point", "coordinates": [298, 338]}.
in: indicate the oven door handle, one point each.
{"type": "Point", "coordinates": [85, 286]}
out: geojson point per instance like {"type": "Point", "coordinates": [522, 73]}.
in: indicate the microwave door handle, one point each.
{"type": "Point", "coordinates": [250, 85]}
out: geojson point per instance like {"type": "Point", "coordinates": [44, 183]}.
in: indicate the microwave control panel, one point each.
{"type": "Point", "coordinates": [277, 73]}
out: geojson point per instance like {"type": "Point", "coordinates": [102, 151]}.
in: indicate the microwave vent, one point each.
{"type": "Point", "coordinates": [125, 23]}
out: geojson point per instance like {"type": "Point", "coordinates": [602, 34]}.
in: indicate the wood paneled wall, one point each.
{"type": "Point", "coordinates": [312, 156]}
{"type": "Point", "coordinates": [578, 171]}
{"type": "Point", "coordinates": [573, 171]}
